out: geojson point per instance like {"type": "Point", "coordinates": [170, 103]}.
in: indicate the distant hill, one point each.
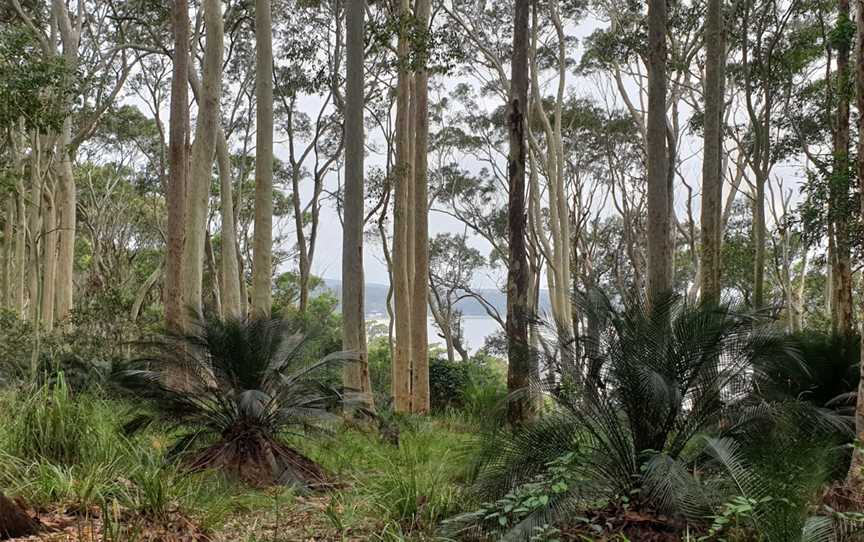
{"type": "Point", "coordinates": [376, 299]}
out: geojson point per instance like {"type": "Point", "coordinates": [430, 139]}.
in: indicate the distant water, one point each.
{"type": "Point", "coordinates": [475, 329]}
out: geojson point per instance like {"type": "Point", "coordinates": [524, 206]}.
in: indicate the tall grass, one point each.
{"type": "Point", "coordinates": [52, 426]}
{"type": "Point", "coordinates": [411, 488]}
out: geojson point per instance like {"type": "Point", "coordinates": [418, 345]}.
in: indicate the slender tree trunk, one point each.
{"type": "Point", "coordinates": [712, 164]}
{"type": "Point", "coordinates": [843, 318]}
{"type": "Point", "coordinates": [34, 229]}
{"type": "Point", "coordinates": [20, 249]}
{"type": "Point", "coordinates": [356, 374]}
{"type": "Point", "coordinates": [855, 477]}
{"type": "Point", "coordinates": [201, 174]}
{"type": "Point", "coordinates": [177, 176]}
{"type": "Point", "coordinates": [141, 294]}
{"type": "Point", "coordinates": [262, 263]}
{"type": "Point", "coordinates": [66, 206]}
{"type": "Point", "coordinates": [401, 378]}
{"type": "Point", "coordinates": [659, 241]}
{"type": "Point", "coordinates": [303, 265]}
{"type": "Point", "coordinates": [49, 258]}
{"type": "Point", "coordinates": [759, 242]}
{"type": "Point", "coordinates": [230, 273]}
{"type": "Point", "coordinates": [8, 252]}
{"type": "Point", "coordinates": [519, 366]}
{"type": "Point", "coordinates": [420, 285]}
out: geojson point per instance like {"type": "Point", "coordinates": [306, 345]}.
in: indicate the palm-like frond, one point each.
{"type": "Point", "coordinates": [231, 387]}
{"type": "Point", "coordinates": [782, 487]}
{"type": "Point", "coordinates": [633, 396]}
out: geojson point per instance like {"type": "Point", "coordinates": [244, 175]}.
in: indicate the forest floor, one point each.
{"type": "Point", "coordinates": [121, 490]}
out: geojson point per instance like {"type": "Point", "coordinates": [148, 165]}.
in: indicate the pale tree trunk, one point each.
{"type": "Point", "coordinates": [142, 292]}
{"type": "Point", "coordinates": [659, 240]}
{"type": "Point", "coordinates": [442, 316]}
{"type": "Point", "coordinates": [20, 249]}
{"type": "Point", "coordinates": [519, 357]}
{"type": "Point", "coordinates": [262, 263]}
{"type": "Point", "coordinates": [558, 254]}
{"type": "Point", "coordinates": [198, 193]}
{"type": "Point", "coordinates": [356, 373]}
{"type": "Point", "coordinates": [66, 204]}
{"type": "Point", "coordinates": [215, 288]}
{"type": "Point", "coordinates": [8, 252]}
{"type": "Point", "coordinates": [420, 285]}
{"type": "Point", "coordinates": [842, 321]}
{"type": "Point", "coordinates": [401, 378]}
{"type": "Point", "coordinates": [712, 164]}
{"type": "Point", "coordinates": [49, 257]}
{"type": "Point", "coordinates": [855, 477]}
{"type": "Point", "coordinates": [230, 272]}
{"type": "Point", "coordinates": [34, 230]}
{"type": "Point", "coordinates": [177, 176]}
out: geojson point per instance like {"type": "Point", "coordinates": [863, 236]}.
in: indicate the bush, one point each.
{"type": "Point", "coordinates": [661, 378]}
{"type": "Point", "coordinates": [53, 426]}
{"type": "Point", "coordinates": [231, 388]}
{"type": "Point", "coordinates": [475, 388]}
{"type": "Point", "coordinates": [414, 484]}
{"type": "Point", "coordinates": [100, 336]}
{"type": "Point", "coordinates": [825, 376]}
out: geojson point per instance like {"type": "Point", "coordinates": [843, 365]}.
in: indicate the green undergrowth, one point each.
{"type": "Point", "coordinates": [408, 489]}
{"type": "Point", "coordinates": [66, 452]}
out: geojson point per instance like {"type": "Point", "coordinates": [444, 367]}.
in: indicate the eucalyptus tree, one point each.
{"type": "Point", "coordinates": [712, 162]}
{"type": "Point", "coordinates": [308, 65]}
{"type": "Point", "coordinates": [659, 196]}
{"type": "Point", "coordinates": [92, 47]}
{"type": "Point", "coordinates": [262, 264]}
{"type": "Point", "coordinates": [841, 38]}
{"type": "Point", "coordinates": [773, 42]}
{"type": "Point", "coordinates": [402, 217]}
{"type": "Point", "coordinates": [453, 264]}
{"type": "Point", "coordinates": [175, 193]}
{"type": "Point", "coordinates": [203, 148]}
{"type": "Point", "coordinates": [356, 374]}
{"type": "Point", "coordinates": [855, 477]}
{"type": "Point", "coordinates": [518, 354]}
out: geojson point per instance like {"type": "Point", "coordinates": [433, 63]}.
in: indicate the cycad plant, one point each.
{"type": "Point", "coordinates": [232, 389]}
{"type": "Point", "coordinates": [627, 403]}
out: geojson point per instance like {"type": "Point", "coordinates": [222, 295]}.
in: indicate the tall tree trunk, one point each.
{"type": "Point", "coordinates": [519, 365]}
{"type": "Point", "coordinates": [401, 378]}
{"type": "Point", "coordinates": [20, 248]}
{"type": "Point", "coordinates": [659, 241]}
{"type": "Point", "coordinates": [8, 252]}
{"type": "Point", "coordinates": [230, 272]}
{"type": "Point", "coordinates": [356, 374]}
{"type": "Point", "coordinates": [303, 265]}
{"type": "Point", "coordinates": [49, 258]}
{"type": "Point", "coordinates": [420, 284]}
{"type": "Point", "coordinates": [855, 477]}
{"type": "Point", "coordinates": [177, 176]}
{"type": "Point", "coordinates": [843, 317]}
{"type": "Point", "coordinates": [712, 164]}
{"type": "Point", "coordinates": [34, 229]}
{"type": "Point", "coordinates": [201, 174]}
{"type": "Point", "coordinates": [66, 206]}
{"type": "Point", "coordinates": [262, 263]}
{"type": "Point", "coordinates": [759, 241]}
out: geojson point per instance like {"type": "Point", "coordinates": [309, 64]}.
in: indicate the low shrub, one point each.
{"type": "Point", "coordinates": [53, 426]}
